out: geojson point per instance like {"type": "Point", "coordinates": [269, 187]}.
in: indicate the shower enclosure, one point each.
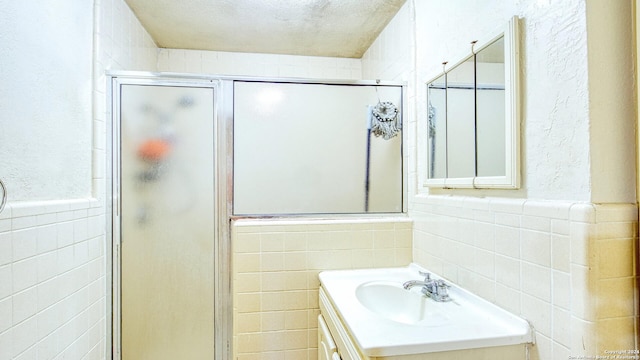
{"type": "Point", "coordinates": [189, 152]}
{"type": "Point", "coordinates": [168, 263]}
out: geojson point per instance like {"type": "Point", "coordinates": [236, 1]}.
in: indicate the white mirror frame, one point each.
{"type": "Point", "coordinates": [511, 179]}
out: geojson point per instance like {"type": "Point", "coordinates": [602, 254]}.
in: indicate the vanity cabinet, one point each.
{"type": "Point", "coordinates": [346, 347]}
{"type": "Point", "coordinates": [327, 349]}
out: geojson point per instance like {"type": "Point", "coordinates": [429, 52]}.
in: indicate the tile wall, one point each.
{"type": "Point", "coordinates": [52, 280]}
{"type": "Point", "coordinates": [264, 65]}
{"type": "Point", "coordinates": [275, 276]}
{"type": "Point", "coordinates": [392, 55]}
{"type": "Point", "coordinates": [566, 267]}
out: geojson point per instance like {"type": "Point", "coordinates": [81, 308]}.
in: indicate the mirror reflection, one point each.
{"type": "Point", "coordinates": [490, 110]}
{"type": "Point", "coordinates": [437, 118]}
{"type": "Point", "coordinates": [461, 120]}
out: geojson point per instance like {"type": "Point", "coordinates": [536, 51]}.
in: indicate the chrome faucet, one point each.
{"type": "Point", "coordinates": [435, 289]}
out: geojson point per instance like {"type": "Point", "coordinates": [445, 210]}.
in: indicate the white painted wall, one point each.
{"type": "Point", "coordinates": [45, 99]}
{"type": "Point", "coordinates": [555, 126]}
{"type": "Point", "coordinates": [612, 108]}
{"type": "Point", "coordinates": [577, 120]}
{"type": "Point", "coordinates": [52, 156]}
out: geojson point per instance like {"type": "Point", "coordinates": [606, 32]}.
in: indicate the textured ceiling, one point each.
{"type": "Point", "coordinates": [340, 28]}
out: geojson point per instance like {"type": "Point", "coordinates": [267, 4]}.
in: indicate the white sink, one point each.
{"type": "Point", "coordinates": [384, 319]}
{"type": "Point", "coordinates": [391, 301]}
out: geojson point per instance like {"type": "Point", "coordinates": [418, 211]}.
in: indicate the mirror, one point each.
{"type": "Point", "coordinates": [461, 132]}
{"type": "Point", "coordinates": [490, 114]}
{"type": "Point", "coordinates": [474, 103]}
{"type": "Point", "coordinates": [437, 127]}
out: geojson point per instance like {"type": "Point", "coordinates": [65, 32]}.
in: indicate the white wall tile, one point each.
{"type": "Point", "coordinates": [508, 298]}
{"type": "Point", "coordinates": [64, 233]}
{"type": "Point", "coordinates": [560, 252]}
{"type": "Point", "coordinates": [6, 281]}
{"type": "Point", "coordinates": [508, 241]}
{"type": "Point", "coordinates": [49, 293]}
{"type": "Point", "coordinates": [537, 223]}
{"type": "Point", "coordinates": [538, 312]}
{"type": "Point", "coordinates": [536, 281]}
{"type": "Point", "coordinates": [49, 320]}
{"type": "Point", "coordinates": [47, 347]}
{"type": "Point", "coordinates": [276, 275]}
{"type": "Point", "coordinates": [535, 247]}
{"type": "Point", "coordinates": [262, 65]}
{"type": "Point", "coordinates": [25, 304]}
{"type": "Point", "coordinates": [561, 289]}
{"type": "Point", "coordinates": [508, 271]}
{"type": "Point", "coordinates": [6, 314]}
{"type": "Point", "coordinates": [24, 336]}
{"type": "Point", "coordinates": [6, 248]}
{"type": "Point", "coordinates": [47, 286]}
{"type": "Point", "coordinates": [24, 274]}
{"type": "Point", "coordinates": [47, 239]}
{"type": "Point", "coordinates": [29, 354]}
{"type": "Point", "coordinates": [546, 269]}
{"type": "Point", "coordinates": [24, 243]}
{"type": "Point", "coordinates": [47, 265]}
{"type": "Point", "coordinates": [6, 344]}
{"type": "Point", "coordinates": [583, 337]}
{"type": "Point", "coordinates": [23, 222]}
{"type": "Point", "coordinates": [5, 224]}
{"type": "Point", "coordinates": [582, 239]}
{"type": "Point", "coordinates": [606, 213]}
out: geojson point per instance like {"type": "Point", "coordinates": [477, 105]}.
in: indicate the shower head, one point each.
{"type": "Point", "coordinates": [384, 120]}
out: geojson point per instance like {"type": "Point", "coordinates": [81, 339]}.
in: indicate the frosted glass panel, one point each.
{"type": "Point", "coordinates": [306, 149]}
{"type": "Point", "coordinates": [167, 194]}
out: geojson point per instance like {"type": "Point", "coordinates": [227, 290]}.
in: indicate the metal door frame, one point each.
{"type": "Point", "coordinates": [223, 176]}
{"type": "Point", "coordinates": [222, 128]}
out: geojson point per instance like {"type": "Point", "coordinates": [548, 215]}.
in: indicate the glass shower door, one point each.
{"type": "Point", "coordinates": [167, 227]}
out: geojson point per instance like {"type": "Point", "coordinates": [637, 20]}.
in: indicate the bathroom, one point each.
{"type": "Point", "coordinates": [559, 251]}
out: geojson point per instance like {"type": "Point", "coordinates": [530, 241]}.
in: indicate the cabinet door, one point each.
{"type": "Point", "coordinates": [326, 345]}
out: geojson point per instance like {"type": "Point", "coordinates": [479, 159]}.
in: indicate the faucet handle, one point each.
{"type": "Point", "coordinates": [441, 290]}
{"type": "Point", "coordinates": [427, 275]}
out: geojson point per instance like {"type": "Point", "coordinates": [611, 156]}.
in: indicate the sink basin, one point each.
{"type": "Point", "coordinates": [391, 301]}
{"type": "Point", "coordinates": [384, 319]}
